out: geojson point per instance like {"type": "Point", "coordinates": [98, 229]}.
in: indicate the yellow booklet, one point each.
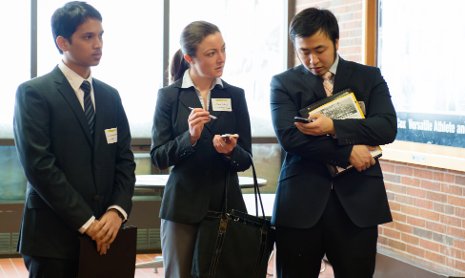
{"type": "Point", "coordinates": [340, 106]}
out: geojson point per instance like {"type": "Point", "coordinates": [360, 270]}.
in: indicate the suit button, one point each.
{"type": "Point", "coordinates": [96, 198]}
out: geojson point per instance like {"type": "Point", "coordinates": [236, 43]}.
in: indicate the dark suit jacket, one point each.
{"type": "Point", "coordinates": [71, 176]}
{"type": "Point", "coordinates": [304, 184]}
{"type": "Point", "coordinates": [198, 176]}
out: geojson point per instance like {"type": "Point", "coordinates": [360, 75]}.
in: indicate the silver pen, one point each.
{"type": "Point", "coordinates": [211, 116]}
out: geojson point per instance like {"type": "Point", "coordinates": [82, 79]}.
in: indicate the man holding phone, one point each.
{"type": "Point", "coordinates": [314, 213]}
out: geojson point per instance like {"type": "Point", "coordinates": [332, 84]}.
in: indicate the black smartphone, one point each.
{"type": "Point", "coordinates": [301, 119]}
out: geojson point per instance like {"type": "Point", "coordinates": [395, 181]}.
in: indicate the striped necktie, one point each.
{"type": "Point", "coordinates": [328, 83]}
{"type": "Point", "coordinates": [88, 106]}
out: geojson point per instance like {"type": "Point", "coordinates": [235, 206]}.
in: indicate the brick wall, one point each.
{"type": "Point", "coordinates": [428, 204]}
{"type": "Point", "coordinates": [428, 207]}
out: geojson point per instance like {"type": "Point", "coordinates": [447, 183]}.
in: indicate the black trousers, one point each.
{"type": "Point", "coordinates": [40, 267]}
{"type": "Point", "coordinates": [351, 250]}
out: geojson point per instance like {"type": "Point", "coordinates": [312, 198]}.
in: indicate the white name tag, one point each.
{"type": "Point", "coordinates": [221, 104]}
{"type": "Point", "coordinates": [112, 135]}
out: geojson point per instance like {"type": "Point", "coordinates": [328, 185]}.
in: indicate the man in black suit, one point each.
{"type": "Point", "coordinates": [317, 214]}
{"type": "Point", "coordinates": [80, 170]}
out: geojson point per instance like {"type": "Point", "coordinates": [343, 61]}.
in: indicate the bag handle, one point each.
{"type": "Point", "coordinates": [258, 198]}
{"type": "Point", "coordinates": [256, 190]}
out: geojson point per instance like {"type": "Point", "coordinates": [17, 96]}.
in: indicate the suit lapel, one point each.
{"type": "Point", "coordinates": [188, 98]}
{"type": "Point", "coordinates": [313, 83]}
{"type": "Point", "coordinates": [100, 109]}
{"type": "Point", "coordinates": [343, 76]}
{"type": "Point", "coordinates": [65, 89]}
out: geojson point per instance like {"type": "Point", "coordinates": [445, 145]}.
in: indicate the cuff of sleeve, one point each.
{"type": "Point", "coordinates": [86, 225]}
{"type": "Point", "coordinates": [122, 213]}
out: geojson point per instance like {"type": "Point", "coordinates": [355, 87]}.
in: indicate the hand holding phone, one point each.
{"type": "Point", "coordinates": [302, 120]}
{"type": "Point", "coordinates": [227, 135]}
{"type": "Point", "coordinates": [228, 139]}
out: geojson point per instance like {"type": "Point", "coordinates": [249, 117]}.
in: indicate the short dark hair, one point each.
{"type": "Point", "coordinates": [312, 20]}
{"type": "Point", "coordinates": [192, 35]}
{"type": "Point", "coordinates": [67, 19]}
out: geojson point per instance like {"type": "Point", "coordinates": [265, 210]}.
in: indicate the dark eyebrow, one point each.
{"type": "Point", "coordinates": [319, 47]}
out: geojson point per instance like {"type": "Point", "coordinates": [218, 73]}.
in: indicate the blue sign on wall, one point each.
{"type": "Point", "coordinates": [446, 130]}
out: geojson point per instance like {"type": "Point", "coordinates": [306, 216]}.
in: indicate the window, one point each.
{"type": "Point", "coordinates": [422, 63]}
{"type": "Point", "coordinates": [15, 57]}
{"type": "Point", "coordinates": [133, 54]}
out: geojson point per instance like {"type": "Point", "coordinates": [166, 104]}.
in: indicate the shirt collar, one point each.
{"type": "Point", "coordinates": [333, 68]}
{"type": "Point", "coordinates": [187, 81]}
{"type": "Point", "coordinates": [74, 79]}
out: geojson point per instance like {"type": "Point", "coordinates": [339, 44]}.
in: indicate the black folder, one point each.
{"type": "Point", "coordinates": [119, 262]}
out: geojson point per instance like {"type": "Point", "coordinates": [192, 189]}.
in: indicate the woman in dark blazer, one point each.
{"type": "Point", "coordinates": [190, 116]}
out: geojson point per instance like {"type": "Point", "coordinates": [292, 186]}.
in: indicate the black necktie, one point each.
{"type": "Point", "coordinates": [88, 107]}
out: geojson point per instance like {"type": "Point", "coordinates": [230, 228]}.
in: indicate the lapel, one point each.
{"type": "Point", "coordinates": [312, 82]}
{"type": "Point", "coordinates": [188, 98]}
{"type": "Point", "coordinates": [343, 76]}
{"type": "Point", "coordinates": [65, 89]}
{"type": "Point", "coordinates": [100, 109]}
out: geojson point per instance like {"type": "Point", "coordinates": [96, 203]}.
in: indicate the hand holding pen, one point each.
{"type": "Point", "coordinates": [209, 115]}
{"type": "Point", "coordinates": [196, 121]}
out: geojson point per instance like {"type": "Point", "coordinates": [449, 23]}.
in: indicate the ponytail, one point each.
{"type": "Point", "coordinates": [178, 66]}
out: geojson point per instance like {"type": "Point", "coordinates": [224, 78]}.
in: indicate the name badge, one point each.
{"type": "Point", "coordinates": [221, 104]}
{"type": "Point", "coordinates": [112, 135]}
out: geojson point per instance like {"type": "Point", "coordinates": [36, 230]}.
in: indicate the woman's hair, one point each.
{"type": "Point", "coordinates": [68, 18]}
{"type": "Point", "coordinates": [178, 66]}
{"type": "Point", "coordinates": [192, 35]}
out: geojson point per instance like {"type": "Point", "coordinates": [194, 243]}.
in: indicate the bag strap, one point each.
{"type": "Point", "coordinates": [226, 185]}
{"type": "Point", "coordinates": [256, 190]}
